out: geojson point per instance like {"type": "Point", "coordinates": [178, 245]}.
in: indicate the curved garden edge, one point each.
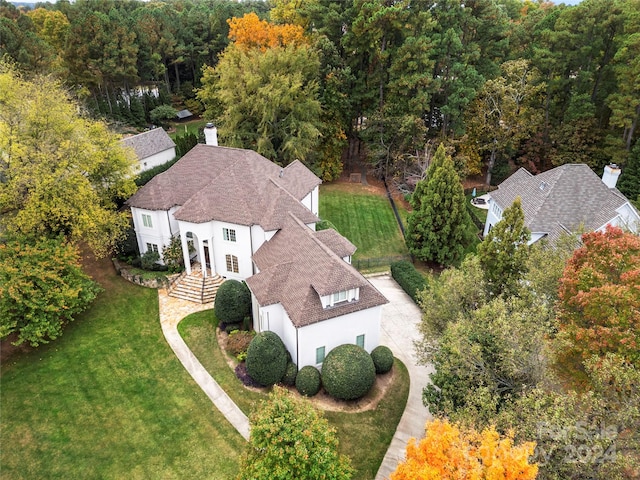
{"type": "Point", "coordinates": [365, 433]}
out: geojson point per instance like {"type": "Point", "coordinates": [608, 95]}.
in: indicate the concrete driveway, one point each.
{"type": "Point", "coordinates": [400, 318]}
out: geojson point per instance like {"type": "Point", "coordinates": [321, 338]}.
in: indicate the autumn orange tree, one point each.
{"type": "Point", "coordinates": [447, 453]}
{"type": "Point", "coordinates": [251, 32]}
{"type": "Point", "coordinates": [599, 297]}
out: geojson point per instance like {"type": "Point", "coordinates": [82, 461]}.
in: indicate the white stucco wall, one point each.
{"type": "Point", "coordinates": [158, 234]}
{"type": "Point", "coordinates": [493, 217]}
{"type": "Point", "coordinates": [303, 342]}
{"type": "Point", "coordinates": [629, 218]}
{"type": "Point", "coordinates": [311, 200]}
{"type": "Point", "coordinates": [159, 158]}
{"type": "Point", "coordinates": [241, 248]}
{"type": "Point", "coordinates": [337, 331]}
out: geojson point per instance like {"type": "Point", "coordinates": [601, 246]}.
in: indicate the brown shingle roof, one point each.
{"type": "Point", "coordinates": [296, 268]}
{"type": "Point", "coordinates": [563, 198]}
{"type": "Point", "coordinates": [228, 184]}
{"type": "Point", "coordinates": [149, 143]}
{"type": "Point", "coordinates": [336, 242]}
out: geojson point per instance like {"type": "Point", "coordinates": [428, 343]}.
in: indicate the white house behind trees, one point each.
{"type": "Point", "coordinates": [243, 217]}
{"type": "Point", "coordinates": [564, 200]}
{"type": "Point", "coordinates": [152, 148]}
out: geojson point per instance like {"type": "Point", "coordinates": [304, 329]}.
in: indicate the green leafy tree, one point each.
{"type": "Point", "coordinates": [438, 226]}
{"type": "Point", "coordinates": [290, 440]}
{"type": "Point", "coordinates": [61, 173]}
{"type": "Point", "coordinates": [162, 113]}
{"type": "Point", "coordinates": [503, 252]}
{"type": "Point", "coordinates": [42, 288]}
{"type": "Point", "coordinates": [629, 183]}
{"type": "Point", "coordinates": [596, 430]}
{"type": "Point", "coordinates": [455, 294]}
{"type": "Point", "coordinates": [485, 361]}
{"type": "Point", "coordinates": [504, 111]}
{"type": "Point", "coordinates": [276, 112]}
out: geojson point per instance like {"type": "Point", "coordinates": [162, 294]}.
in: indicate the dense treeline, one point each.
{"type": "Point", "coordinates": [502, 83]}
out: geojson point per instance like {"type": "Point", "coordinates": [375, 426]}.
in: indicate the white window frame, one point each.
{"type": "Point", "coordinates": [146, 220]}
{"type": "Point", "coordinates": [232, 263]}
{"type": "Point", "coordinates": [320, 355]}
{"type": "Point", "coordinates": [152, 247]}
{"type": "Point", "coordinates": [229, 234]}
{"type": "Point", "coordinates": [339, 297]}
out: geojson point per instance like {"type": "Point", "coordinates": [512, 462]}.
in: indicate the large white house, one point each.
{"type": "Point", "coordinates": [241, 216]}
{"type": "Point", "coordinates": [564, 200]}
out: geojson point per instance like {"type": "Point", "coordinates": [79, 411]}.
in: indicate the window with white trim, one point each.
{"type": "Point", "coordinates": [232, 263]}
{"type": "Point", "coordinates": [229, 234]}
{"type": "Point", "coordinates": [152, 247]}
{"type": "Point", "coordinates": [360, 341]}
{"type": "Point", "coordinates": [146, 220]}
{"type": "Point", "coordinates": [339, 296]}
{"type": "Point", "coordinates": [319, 355]}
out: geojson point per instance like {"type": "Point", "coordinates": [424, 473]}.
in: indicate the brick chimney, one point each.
{"type": "Point", "coordinates": [211, 134]}
{"type": "Point", "coordinates": [610, 175]}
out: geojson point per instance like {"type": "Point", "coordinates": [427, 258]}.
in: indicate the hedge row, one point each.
{"type": "Point", "coordinates": [408, 278]}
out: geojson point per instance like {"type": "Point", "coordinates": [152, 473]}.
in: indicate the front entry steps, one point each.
{"type": "Point", "coordinates": [195, 287]}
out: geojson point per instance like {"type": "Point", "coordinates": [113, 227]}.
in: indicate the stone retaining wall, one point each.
{"type": "Point", "coordinates": [123, 270]}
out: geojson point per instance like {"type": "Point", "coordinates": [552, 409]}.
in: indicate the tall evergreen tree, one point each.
{"type": "Point", "coordinates": [437, 227]}
{"type": "Point", "coordinates": [629, 183]}
{"type": "Point", "coordinates": [503, 253]}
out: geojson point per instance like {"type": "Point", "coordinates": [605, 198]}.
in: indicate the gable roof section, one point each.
{"type": "Point", "coordinates": [561, 199]}
{"type": "Point", "coordinates": [149, 143]}
{"type": "Point", "coordinates": [297, 267]}
{"type": "Point", "coordinates": [336, 242]}
{"type": "Point", "coordinates": [228, 184]}
{"type": "Point", "coordinates": [298, 179]}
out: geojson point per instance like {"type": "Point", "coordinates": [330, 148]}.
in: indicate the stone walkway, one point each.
{"type": "Point", "coordinates": [172, 310]}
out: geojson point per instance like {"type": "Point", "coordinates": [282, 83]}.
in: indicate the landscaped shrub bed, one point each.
{"type": "Point", "coordinates": [244, 377]}
{"type": "Point", "coordinates": [238, 342]}
{"type": "Point", "coordinates": [348, 372]}
{"type": "Point", "coordinates": [308, 381]}
{"type": "Point", "coordinates": [290, 374]}
{"type": "Point", "coordinates": [266, 358]}
{"type": "Point", "coordinates": [382, 357]}
{"type": "Point", "coordinates": [408, 278]}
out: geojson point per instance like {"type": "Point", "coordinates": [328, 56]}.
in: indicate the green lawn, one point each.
{"type": "Point", "coordinates": [364, 437]}
{"type": "Point", "coordinates": [365, 218]}
{"type": "Point", "coordinates": [110, 400]}
{"type": "Point", "coordinates": [192, 126]}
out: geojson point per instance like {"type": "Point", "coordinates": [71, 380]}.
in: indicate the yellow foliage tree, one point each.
{"type": "Point", "coordinates": [60, 172]}
{"type": "Point", "coordinates": [447, 453]}
{"type": "Point", "coordinates": [251, 32]}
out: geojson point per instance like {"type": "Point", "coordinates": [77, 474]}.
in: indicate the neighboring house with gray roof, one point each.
{"type": "Point", "coordinates": [564, 200]}
{"type": "Point", "coordinates": [243, 217]}
{"type": "Point", "coordinates": [152, 148]}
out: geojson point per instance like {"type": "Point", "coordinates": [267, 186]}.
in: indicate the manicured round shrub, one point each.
{"type": "Point", "coordinates": [266, 358]}
{"type": "Point", "coordinates": [289, 377]}
{"type": "Point", "coordinates": [382, 357]}
{"type": "Point", "coordinates": [348, 372]}
{"type": "Point", "coordinates": [308, 381]}
{"type": "Point", "coordinates": [233, 302]}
